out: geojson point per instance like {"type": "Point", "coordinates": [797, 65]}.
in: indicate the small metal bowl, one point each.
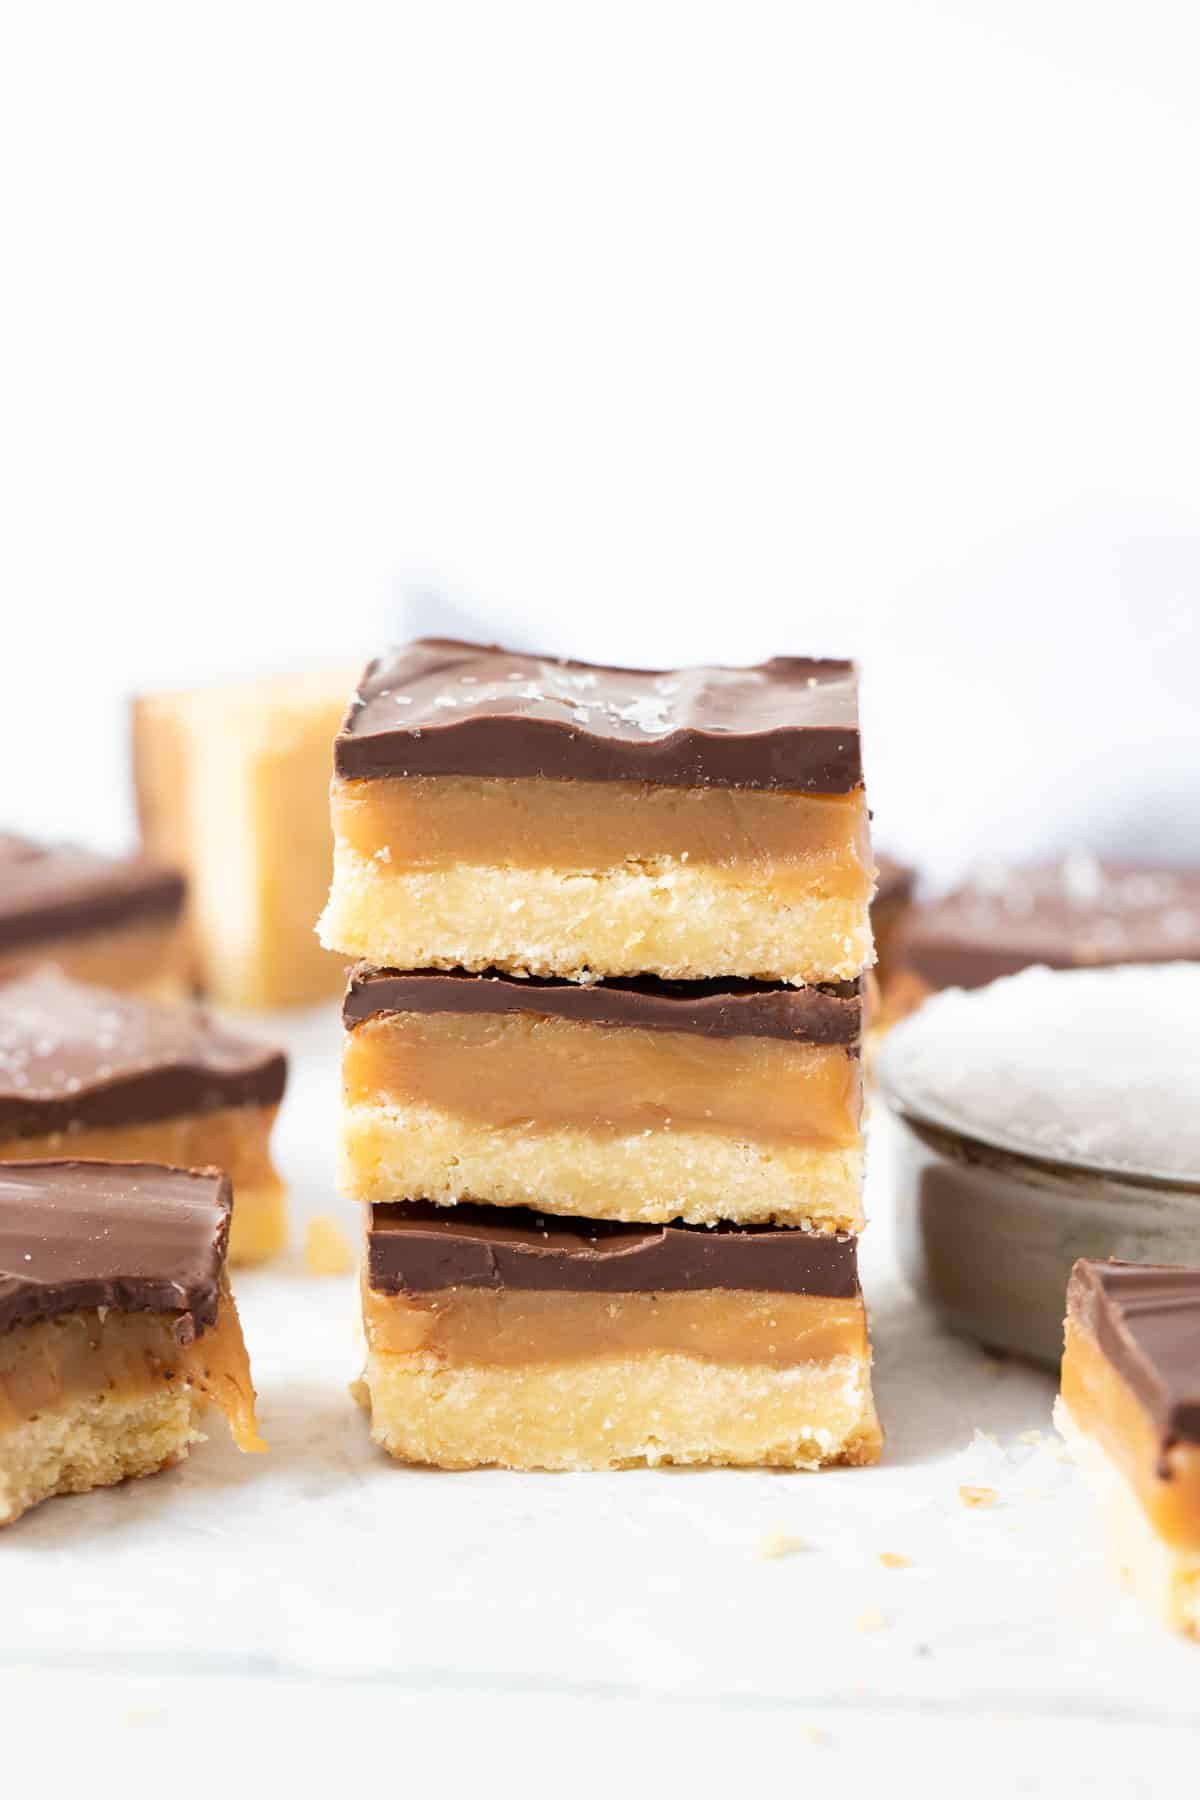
{"type": "Point", "coordinates": [987, 1238]}
{"type": "Point", "coordinates": [989, 1215]}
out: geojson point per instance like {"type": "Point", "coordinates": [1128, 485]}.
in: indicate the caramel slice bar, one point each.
{"type": "Point", "coordinates": [112, 919]}
{"type": "Point", "coordinates": [533, 1342]}
{"type": "Point", "coordinates": [1130, 1412]}
{"type": "Point", "coordinates": [554, 818]}
{"type": "Point", "coordinates": [638, 1100]}
{"type": "Point", "coordinates": [89, 1073]}
{"type": "Point", "coordinates": [117, 1327]}
{"type": "Point", "coordinates": [889, 909]}
{"type": "Point", "coordinates": [232, 783]}
{"type": "Point", "coordinates": [1076, 913]}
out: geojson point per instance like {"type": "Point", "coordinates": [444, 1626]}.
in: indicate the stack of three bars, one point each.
{"type": "Point", "coordinates": [602, 1076]}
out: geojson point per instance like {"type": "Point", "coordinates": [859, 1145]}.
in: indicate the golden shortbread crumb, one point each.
{"type": "Point", "coordinates": [779, 1543]}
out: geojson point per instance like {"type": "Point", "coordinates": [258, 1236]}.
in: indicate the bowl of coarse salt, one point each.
{"type": "Point", "coordinates": [1051, 1115]}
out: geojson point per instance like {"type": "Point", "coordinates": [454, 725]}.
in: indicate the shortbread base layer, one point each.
{"type": "Point", "coordinates": [234, 1138]}
{"type": "Point", "coordinates": [680, 921]}
{"type": "Point", "coordinates": [146, 959]}
{"type": "Point", "coordinates": [614, 1412]}
{"type": "Point", "coordinates": [1166, 1577]}
{"type": "Point", "coordinates": [94, 1443]}
{"type": "Point", "coordinates": [92, 1398]}
{"type": "Point", "coordinates": [643, 1177]}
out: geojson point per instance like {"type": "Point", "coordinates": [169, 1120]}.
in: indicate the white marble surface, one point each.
{"type": "Point", "coordinates": [283, 1625]}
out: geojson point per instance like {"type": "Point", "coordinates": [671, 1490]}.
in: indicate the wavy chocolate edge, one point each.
{"type": "Point", "coordinates": [140, 1237]}
{"type": "Point", "coordinates": [414, 1246]}
{"type": "Point", "coordinates": [1145, 1319]}
{"type": "Point", "coordinates": [49, 892]}
{"type": "Point", "coordinates": [73, 1056]}
{"type": "Point", "coordinates": [829, 1015]}
{"type": "Point", "coordinates": [1057, 915]}
{"type": "Point", "coordinates": [442, 706]}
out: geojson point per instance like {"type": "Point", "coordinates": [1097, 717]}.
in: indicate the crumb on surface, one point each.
{"type": "Point", "coordinates": [778, 1542]}
{"type": "Point", "coordinates": [978, 1496]}
{"type": "Point", "coordinates": [871, 1620]}
{"type": "Point", "coordinates": [812, 1734]}
{"type": "Point", "coordinates": [1030, 1437]}
{"type": "Point", "coordinates": [895, 1559]}
{"type": "Point", "coordinates": [144, 1715]}
{"type": "Point", "coordinates": [327, 1250]}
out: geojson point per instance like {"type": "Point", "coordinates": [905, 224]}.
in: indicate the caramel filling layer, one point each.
{"type": "Point", "coordinates": [512, 1327]}
{"type": "Point", "coordinates": [148, 957]}
{"type": "Point", "coordinates": [83, 1355]}
{"type": "Point", "coordinates": [235, 1138]}
{"type": "Point", "coordinates": [814, 842]}
{"type": "Point", "coordinates": [1102, 1404]}
{"type": "Point", "coordinates": [540, 1072]}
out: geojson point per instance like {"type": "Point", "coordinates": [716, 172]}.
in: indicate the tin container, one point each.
{"type": "Point", "coordinates": [987, 1237]}
{"type": "Point", "coordinates": [1050, 1115]}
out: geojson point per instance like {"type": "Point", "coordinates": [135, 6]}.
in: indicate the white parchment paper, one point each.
{"type": "Point", "coordinates": [299, 1623]}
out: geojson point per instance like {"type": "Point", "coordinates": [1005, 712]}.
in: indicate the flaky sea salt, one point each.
{"type": "Point", "coordinates": [647, 713]}
{"type": "Point", "coordinates": [1097, 1068]}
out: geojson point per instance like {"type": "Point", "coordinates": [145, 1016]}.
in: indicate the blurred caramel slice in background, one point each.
{"type": "Point", "coordinates": [638, 1100]}
{"type": "Point", "coordinates": [88, 1073]}
{"type": "Point", "coordinates": [116, 920]}
{"type": "Point", "coordinates": [232, 785]}
{"type": "Point", "coordinates": [894, 886]}
{"type": "Point", "coordinates": [1079, 912]}
{"type": "Point", "coordinates": [117, 1327]}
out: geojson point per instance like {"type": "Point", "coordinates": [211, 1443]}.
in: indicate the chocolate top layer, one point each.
{"type": "Point", "coordinates": [441, 707]}
{"type": "Point", "coordinates": [54, 891]}
{"type": "Point", "coordinates": [137, 1236]}
{"type": "Point", "coordinates": [809, 1015]}
{"type": "Point", "coordinates": [1145, 1318]}
{"type": "Point", "coordinates": [416, 1247]}
{"type": "Point", "coordinates": [73, 1056]}
{"type": "Point", "coordinates": [1064, 915]}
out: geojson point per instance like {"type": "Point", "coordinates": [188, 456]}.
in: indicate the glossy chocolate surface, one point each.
{"type": "Point", "coordinates": [414, 1246]}
{"type": "Point", "coordinates": [136, 1236]}
{"type": "Point", "coordinates": [442, 707]}
{"type": "Point", "coordinates": [1145, 1318]}
{"type": "Point", "coordinates": [50, 891]}
{"type": "Point", "coordinates": [1071, 914]}
{"type": "Point", "coordinates": [809, 1015]}
{"type": "Point", "coordinates": [74, 1056]}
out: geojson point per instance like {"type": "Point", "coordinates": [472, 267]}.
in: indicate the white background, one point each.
{"type": "Point", "coordinates": [656, 332]}
{"type": "Point", "coordinates": [653, 331]}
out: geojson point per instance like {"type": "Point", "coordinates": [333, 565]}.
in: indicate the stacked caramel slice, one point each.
{"type": "Point", "coordinates": [602, 1075]}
